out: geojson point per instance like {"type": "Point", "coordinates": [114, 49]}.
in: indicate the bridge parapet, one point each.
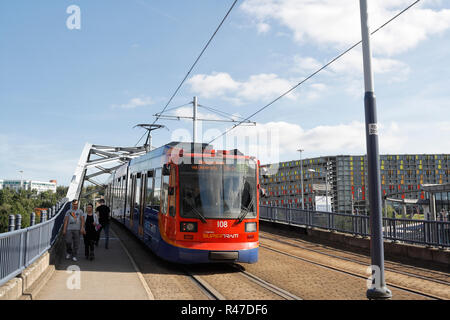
{"type": "Point", "coordinates": [429, 233]}
{"type": "Point", "coordinates": [21, 247]}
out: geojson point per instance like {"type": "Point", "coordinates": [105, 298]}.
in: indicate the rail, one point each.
{"type": "Point", "coordinates": [423, 232]}
{"type": "Point", "coordinates": [20, 248]}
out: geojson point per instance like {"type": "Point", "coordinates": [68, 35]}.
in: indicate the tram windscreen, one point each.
{"type": "Point", "coordinates": [218, 191]}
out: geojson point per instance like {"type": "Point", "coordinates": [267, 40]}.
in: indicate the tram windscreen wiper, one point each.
{"type": "Point", "coordinates": [245, 211]}
{"type": "Point", "coordinates": [202, 218]}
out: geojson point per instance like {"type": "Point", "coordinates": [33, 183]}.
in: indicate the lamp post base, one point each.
{"type": "Point", "coordinates": [382, 293]}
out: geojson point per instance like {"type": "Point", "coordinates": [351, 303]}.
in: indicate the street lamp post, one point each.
{"type": "Point", "coordinates": [328, 177]}
{"type": "Point", "coordinates": [312, 174]}
{"type": "Point", "coordinates": [21, 178]}
{"type": "Point", "coordinates": [378, 290]}
{"type": "Point", "coordinates": [301, 177]}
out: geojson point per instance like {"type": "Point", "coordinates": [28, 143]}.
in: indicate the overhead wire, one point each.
{"type": "Point", "coordinates": [183, 105]}
{"type": "Point", "coordinates": [220, 112]}
{"type": "Point", "coordinates": [192, 67]}
{"type": "Point", "coordinates": [198, 58]}
{"type": "Point", "coordinates": [314, 73]}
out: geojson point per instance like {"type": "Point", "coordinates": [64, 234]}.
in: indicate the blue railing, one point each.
{"type": "Point", "coordinates": [20, 248]}
{"type": "Point", "coordinates": [425, 232]}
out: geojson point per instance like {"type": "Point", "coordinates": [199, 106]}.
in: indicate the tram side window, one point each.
{"type": "Point", "coordinates": [124, 186]}
{"type": "Point", "coordinates": [117, 196]}
{"type": "Point", "coordinates": [164, 194]}
{"type": "Point", "coordinates": [157, 190]}
{"type": "Point", "coordinates": [149, 192]}
{"type": "Point", "coordinates": [137, 197]}
{"type": "Point", "coordinates": [121, 191]}
{"type": "Point", "coordinates": [130, 196]}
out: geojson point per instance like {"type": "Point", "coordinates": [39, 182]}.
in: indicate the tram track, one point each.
{"type": "Point", "coordinates": [213, 293]}
{"type": "Point", "coordinates": [211, 282]}
{"type": "Point", "coordinates": [365, 261]}
{"type": "Point", "coordinates": [269, 286]}
{"type": "Point", "coordinates": [226, 281]}
{"type": "Point", "coordinates": [208, 290]}
{"type": "Point", "coordinates": [350, 273]}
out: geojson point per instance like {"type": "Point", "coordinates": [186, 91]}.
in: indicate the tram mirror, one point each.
{"type": "Point", "coordinates": [171, 191]}
{"type": "Point", "coordinates": [166, 170]}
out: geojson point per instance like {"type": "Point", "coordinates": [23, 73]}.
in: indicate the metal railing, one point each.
{"type": "Point", "coordinates": [424, 232]}
{"type": "Point", "coordinates": [20, 248]}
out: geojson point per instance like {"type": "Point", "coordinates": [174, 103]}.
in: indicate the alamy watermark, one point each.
{"type": "Point", "coordinates": [73, 282]}
{"type": "Point", "coordinates": [374, 280]}
{"type": "Point", "coordinates": [74, 20]}
{"type": "Point", "coordinates": [263, 144]}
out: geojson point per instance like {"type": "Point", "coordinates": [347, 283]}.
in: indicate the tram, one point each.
{"type": "Point", "coordinates": [190, 203]}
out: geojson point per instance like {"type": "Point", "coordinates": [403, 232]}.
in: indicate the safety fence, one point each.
{"type": "Point", "coordinates": [424, 232]}
{"type": "Point", "coordinates": [21, 247]}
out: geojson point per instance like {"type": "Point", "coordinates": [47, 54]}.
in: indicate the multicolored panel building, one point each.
{"type": "Point", "coordinates": [402, 177]}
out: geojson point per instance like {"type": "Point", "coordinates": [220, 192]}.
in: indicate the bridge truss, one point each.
{"type": "Point", "coordinates": [93, 159]}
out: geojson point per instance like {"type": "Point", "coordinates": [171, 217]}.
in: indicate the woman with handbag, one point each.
{"type": "Point", "coordinates": [90, 231]}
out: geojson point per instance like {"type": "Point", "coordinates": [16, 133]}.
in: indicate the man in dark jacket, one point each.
{"type": "Point", "coordinates": [103, 219]}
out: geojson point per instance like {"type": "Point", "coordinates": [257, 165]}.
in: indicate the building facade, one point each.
{"type": "Point", "coordinates": [40, 186]}
{"type": "Point", "coordinates": [402, 177]}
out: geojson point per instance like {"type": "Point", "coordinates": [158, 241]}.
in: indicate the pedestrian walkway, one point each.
{"type": "Point", "coordinates": [111, 276]}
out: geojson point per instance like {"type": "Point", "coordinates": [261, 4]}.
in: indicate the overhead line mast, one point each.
{"type": "Point", "coordinates": [195, 119]}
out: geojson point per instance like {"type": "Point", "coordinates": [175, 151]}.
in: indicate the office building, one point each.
{"type": "Point", "coordinates": [40, 186]}
{"type": "Point", "coordinates": [402, 177]}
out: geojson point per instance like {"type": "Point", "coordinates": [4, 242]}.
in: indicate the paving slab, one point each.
{"type": "Point", "coordinates": [110, 276]}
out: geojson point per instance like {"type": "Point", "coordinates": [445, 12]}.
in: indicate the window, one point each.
{"type": "Point", "coordinates": [131, 188]}
{"type": "Point", "coordinates": [149, 190]}
{"type": "Point", "coordinates": [137, 197]}
{"type": "Point", "coordinates": [157, 190]}
{"type": "Point", "coordinates": [164, 194]}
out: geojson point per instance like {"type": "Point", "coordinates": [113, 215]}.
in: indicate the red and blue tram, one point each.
{"type": "Point", "coordinates": [190, 203]}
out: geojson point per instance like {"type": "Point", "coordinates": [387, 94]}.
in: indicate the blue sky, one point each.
{"type": "Point", "coordinates": [61, 88]}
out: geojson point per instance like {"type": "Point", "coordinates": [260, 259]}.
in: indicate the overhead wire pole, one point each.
{"type": "Point", "coordinates": [378, 290]}
{"type": "Point", "coordinates": [194, 120]}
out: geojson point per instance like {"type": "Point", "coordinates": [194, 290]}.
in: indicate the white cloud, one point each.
{"type": "Point", "coordinates": [278, 141]}
{"type": "Point", "coordinates": [337, 23]}
{"type": "Point", "coordinates": [258, 87]}
{"type": "Point", "coordinates": [352, 64]}
{"type": "Point", "coordinates": [134, 103]}
{"type": "Point", "coordinates": [264, 86]}
{"type": "Point", "coordinates": [216, 84]}
{"type": "Point", "coordinates": [306, 64]}
{"type": "Point", "coordinates": [330, 24]}
{"type": "Point", "coordinates": [347, 72]}
{"type": "Point", "coordinates": [263, 27]}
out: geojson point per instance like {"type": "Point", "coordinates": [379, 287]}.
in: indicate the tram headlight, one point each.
{"type": "Point", "coordinates": [250, 227]}
{"type": "Point", "coordinates": [188, 226]}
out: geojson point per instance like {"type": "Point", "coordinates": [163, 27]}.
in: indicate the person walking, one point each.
{"type": "Point", "coordinates": [73, 224]}
{"type": "Point", "coordinates": [90, 231]}
{"type": "Point", "coordinates": [103, 217]}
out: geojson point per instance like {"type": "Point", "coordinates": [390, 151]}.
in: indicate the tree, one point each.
{"type": "Point", "coordinates": [24, 202]}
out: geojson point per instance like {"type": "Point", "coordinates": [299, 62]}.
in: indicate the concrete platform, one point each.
{"type": "Point", "coordinates": [111, 276]}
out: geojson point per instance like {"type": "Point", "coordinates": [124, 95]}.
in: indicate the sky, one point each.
{"type": "Point", "coordinates": [62, 86]}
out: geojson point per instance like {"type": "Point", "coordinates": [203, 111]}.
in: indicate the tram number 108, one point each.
{"type": "Point", "coordinates": [222, 224]}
